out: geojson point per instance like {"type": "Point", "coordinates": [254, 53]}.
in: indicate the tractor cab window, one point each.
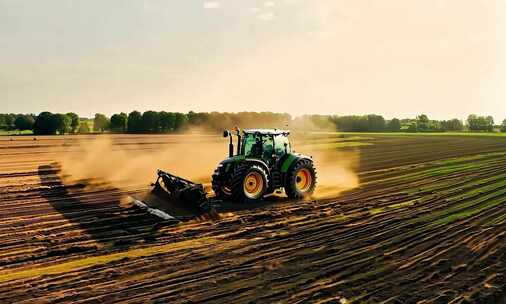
{"type": "Point", "coordinates": [252, 145]}
{"type": "Point", "coordinates": [268, 147]}
{"type": "Point", "coordinates": [279, 149]}
{"type": "Point", "coordinates": [255, 145]}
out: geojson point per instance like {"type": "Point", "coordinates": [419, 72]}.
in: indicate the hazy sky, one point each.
{"type": "Point", "coordinates": [399, 58]}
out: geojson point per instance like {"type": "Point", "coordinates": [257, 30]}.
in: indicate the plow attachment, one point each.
{"type": "Point", "coordinates": [174, 198]}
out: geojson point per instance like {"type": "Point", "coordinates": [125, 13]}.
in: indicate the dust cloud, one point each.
{"type": "Point", "coordinates": [131, 160]}
{"type": "Point", "coordinates": [336, 172]}
{"type": "Point", "coordinates": [336, 168]}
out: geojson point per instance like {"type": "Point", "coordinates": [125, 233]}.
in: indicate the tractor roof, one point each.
{"type": "Point", "coordinates": [267, 131]}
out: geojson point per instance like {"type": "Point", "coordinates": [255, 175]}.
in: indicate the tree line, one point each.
{"type": "Point", "coordinates": [47, 123]}
{"type": "Point", "coordinates": [17, 121]}
{"type": "Point", "coordinates": [422, 123]}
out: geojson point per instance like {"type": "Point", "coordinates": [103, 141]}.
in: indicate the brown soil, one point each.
{"type": "Point", "coordinates": [426, 223]}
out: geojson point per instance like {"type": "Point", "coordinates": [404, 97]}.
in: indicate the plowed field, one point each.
{"type": "Point", "coordinates": [427, 224]}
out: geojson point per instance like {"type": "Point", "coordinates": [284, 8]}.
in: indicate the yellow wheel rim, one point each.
{"type": "Point", "coordinates": [303, 180]}
{"type": "Point", "coordinates": [253, 185]}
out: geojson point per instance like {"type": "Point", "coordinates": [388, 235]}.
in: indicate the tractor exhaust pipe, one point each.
{"type": "Point", "coordinates": [238, 144]}
{"type": "Point", "coordinates": [226, 133]}
{"type": "Point", "coordinates": [239, 137]}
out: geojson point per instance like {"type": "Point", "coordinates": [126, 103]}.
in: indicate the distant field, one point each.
{"type": "Point", "coordinates": [427, 223]}
{"type": "Point", "coordinates": [428, 133]}
{"type": "Point", "coordinates": [5, 132]}
{"type": "Point", "coordinates": [494, 134]}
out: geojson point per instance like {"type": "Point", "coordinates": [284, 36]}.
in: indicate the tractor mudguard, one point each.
{"type": "Point", "coordinates": [258, 162]}
{"type": "Point", "coordinates": [288, 162]}
{"type": "Point", "coordinates": [291, 160]}
{"type": "Point", "coordinates": [227, 165]}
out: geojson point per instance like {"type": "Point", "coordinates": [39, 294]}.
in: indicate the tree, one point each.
{"type": "Point", "coordinates": [167, 121]}
{"type": "Point", "coordinates": [119, 122]}
{"type": "Point", "coordinates": [100, 123]}
{"type": "Point", "coordinates": [452, 125]}
{"type": "Point", "coordinates": [480, 123]}
{"type": "Point", "coordinates": [74, 121]}
{"type": "Point", "coordinates": [412, 127]}
{"type": "Point", "coordinates": [63, 123]}
{"type": "Point", "coordinates": [435, 126]}
{"type": "Point", "coordinates": [150, 122]}
{"type": "Point", "coordinates": [83, 128]}
{"type": "Point", "coordinates": [180, 121]}
{"type": "Point", "coordinates": [9, 120]}
{"type": "Point", "coordinates": [134, 122]}
{"type": "Point", "coordinates": [24, 122]}
{"type": "Point", "coordinates": [489, 120]}
{"type": "Point", "coordinates": [472, 122]}
{"type": "Point", "coordinates": [422, 123]}
{"type": "Point", "coordinates": [45, 124]}
{"type": "Point", "coordinates": [376, 123]}
{"type": "Point", "coordinates": [2, 122]}
{"type": "Point", "coordinates": [503, 126]}
{"type": "Point", "coordinates": [351, 123]}
{"type": "Point", "coordinates": [394, 125]}
{"type": "Point", "coordinates": [198, 119]}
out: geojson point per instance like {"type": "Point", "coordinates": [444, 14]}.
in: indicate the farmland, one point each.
{"type": "Point", "coordinates": [427, 222]}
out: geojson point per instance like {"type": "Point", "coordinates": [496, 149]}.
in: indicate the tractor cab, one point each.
{"type": "Point", "coordinates": [267, 145]}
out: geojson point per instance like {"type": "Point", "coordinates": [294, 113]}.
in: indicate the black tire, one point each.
{"type": "Point", "coordinates": [291, 188]}
{"type": "Point", "coordinates": [239, 175]}
{"type": "Point", "coordinates": [221, 185]}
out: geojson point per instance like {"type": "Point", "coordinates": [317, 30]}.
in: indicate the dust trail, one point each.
{"type": "Point", "coordinates": [128, 160]}
{"type": "Point", "coordinates": [336, 169]}
{"type": "Point", "coordinates": [336, 172]}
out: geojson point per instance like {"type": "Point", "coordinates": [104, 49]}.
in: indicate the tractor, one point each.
{"type": "Point", "coordinates": [263, 163]}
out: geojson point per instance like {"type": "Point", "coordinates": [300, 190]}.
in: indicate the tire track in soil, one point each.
{"type": "Point", "coordinates": [377, 243]}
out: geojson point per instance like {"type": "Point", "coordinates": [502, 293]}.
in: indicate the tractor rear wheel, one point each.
{"type": "Point", "coordinates": [301, 180]}
{"type": "Point", "coordinates": [249, 183]}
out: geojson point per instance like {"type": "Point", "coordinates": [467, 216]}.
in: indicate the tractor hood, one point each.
{"type": "Point", "coordinates": [233, 159]}
{"type": "Point", "coordinates": [230, 162]}
{"type": "Point", "coordinates": [225, 164]}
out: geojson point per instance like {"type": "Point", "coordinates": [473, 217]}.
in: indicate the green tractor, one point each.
{"type": "Point", "coordinates": [262, 164]}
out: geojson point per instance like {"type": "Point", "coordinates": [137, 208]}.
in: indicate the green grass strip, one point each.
{"type": "Point", "coordinates": [469, 208]}
{"type": "Point", "coordinates": [75, 265]}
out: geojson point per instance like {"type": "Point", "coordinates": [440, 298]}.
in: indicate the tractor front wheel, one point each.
{"type": "Point", "coordinates": [221, 186]}
{"type": "Point", "coordinates": [249, 183]}
{"type": "Point", "coordinates": [301, 180]}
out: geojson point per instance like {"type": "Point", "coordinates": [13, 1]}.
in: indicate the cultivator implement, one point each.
{"type": "Point", "coordinates": [174, 198]}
